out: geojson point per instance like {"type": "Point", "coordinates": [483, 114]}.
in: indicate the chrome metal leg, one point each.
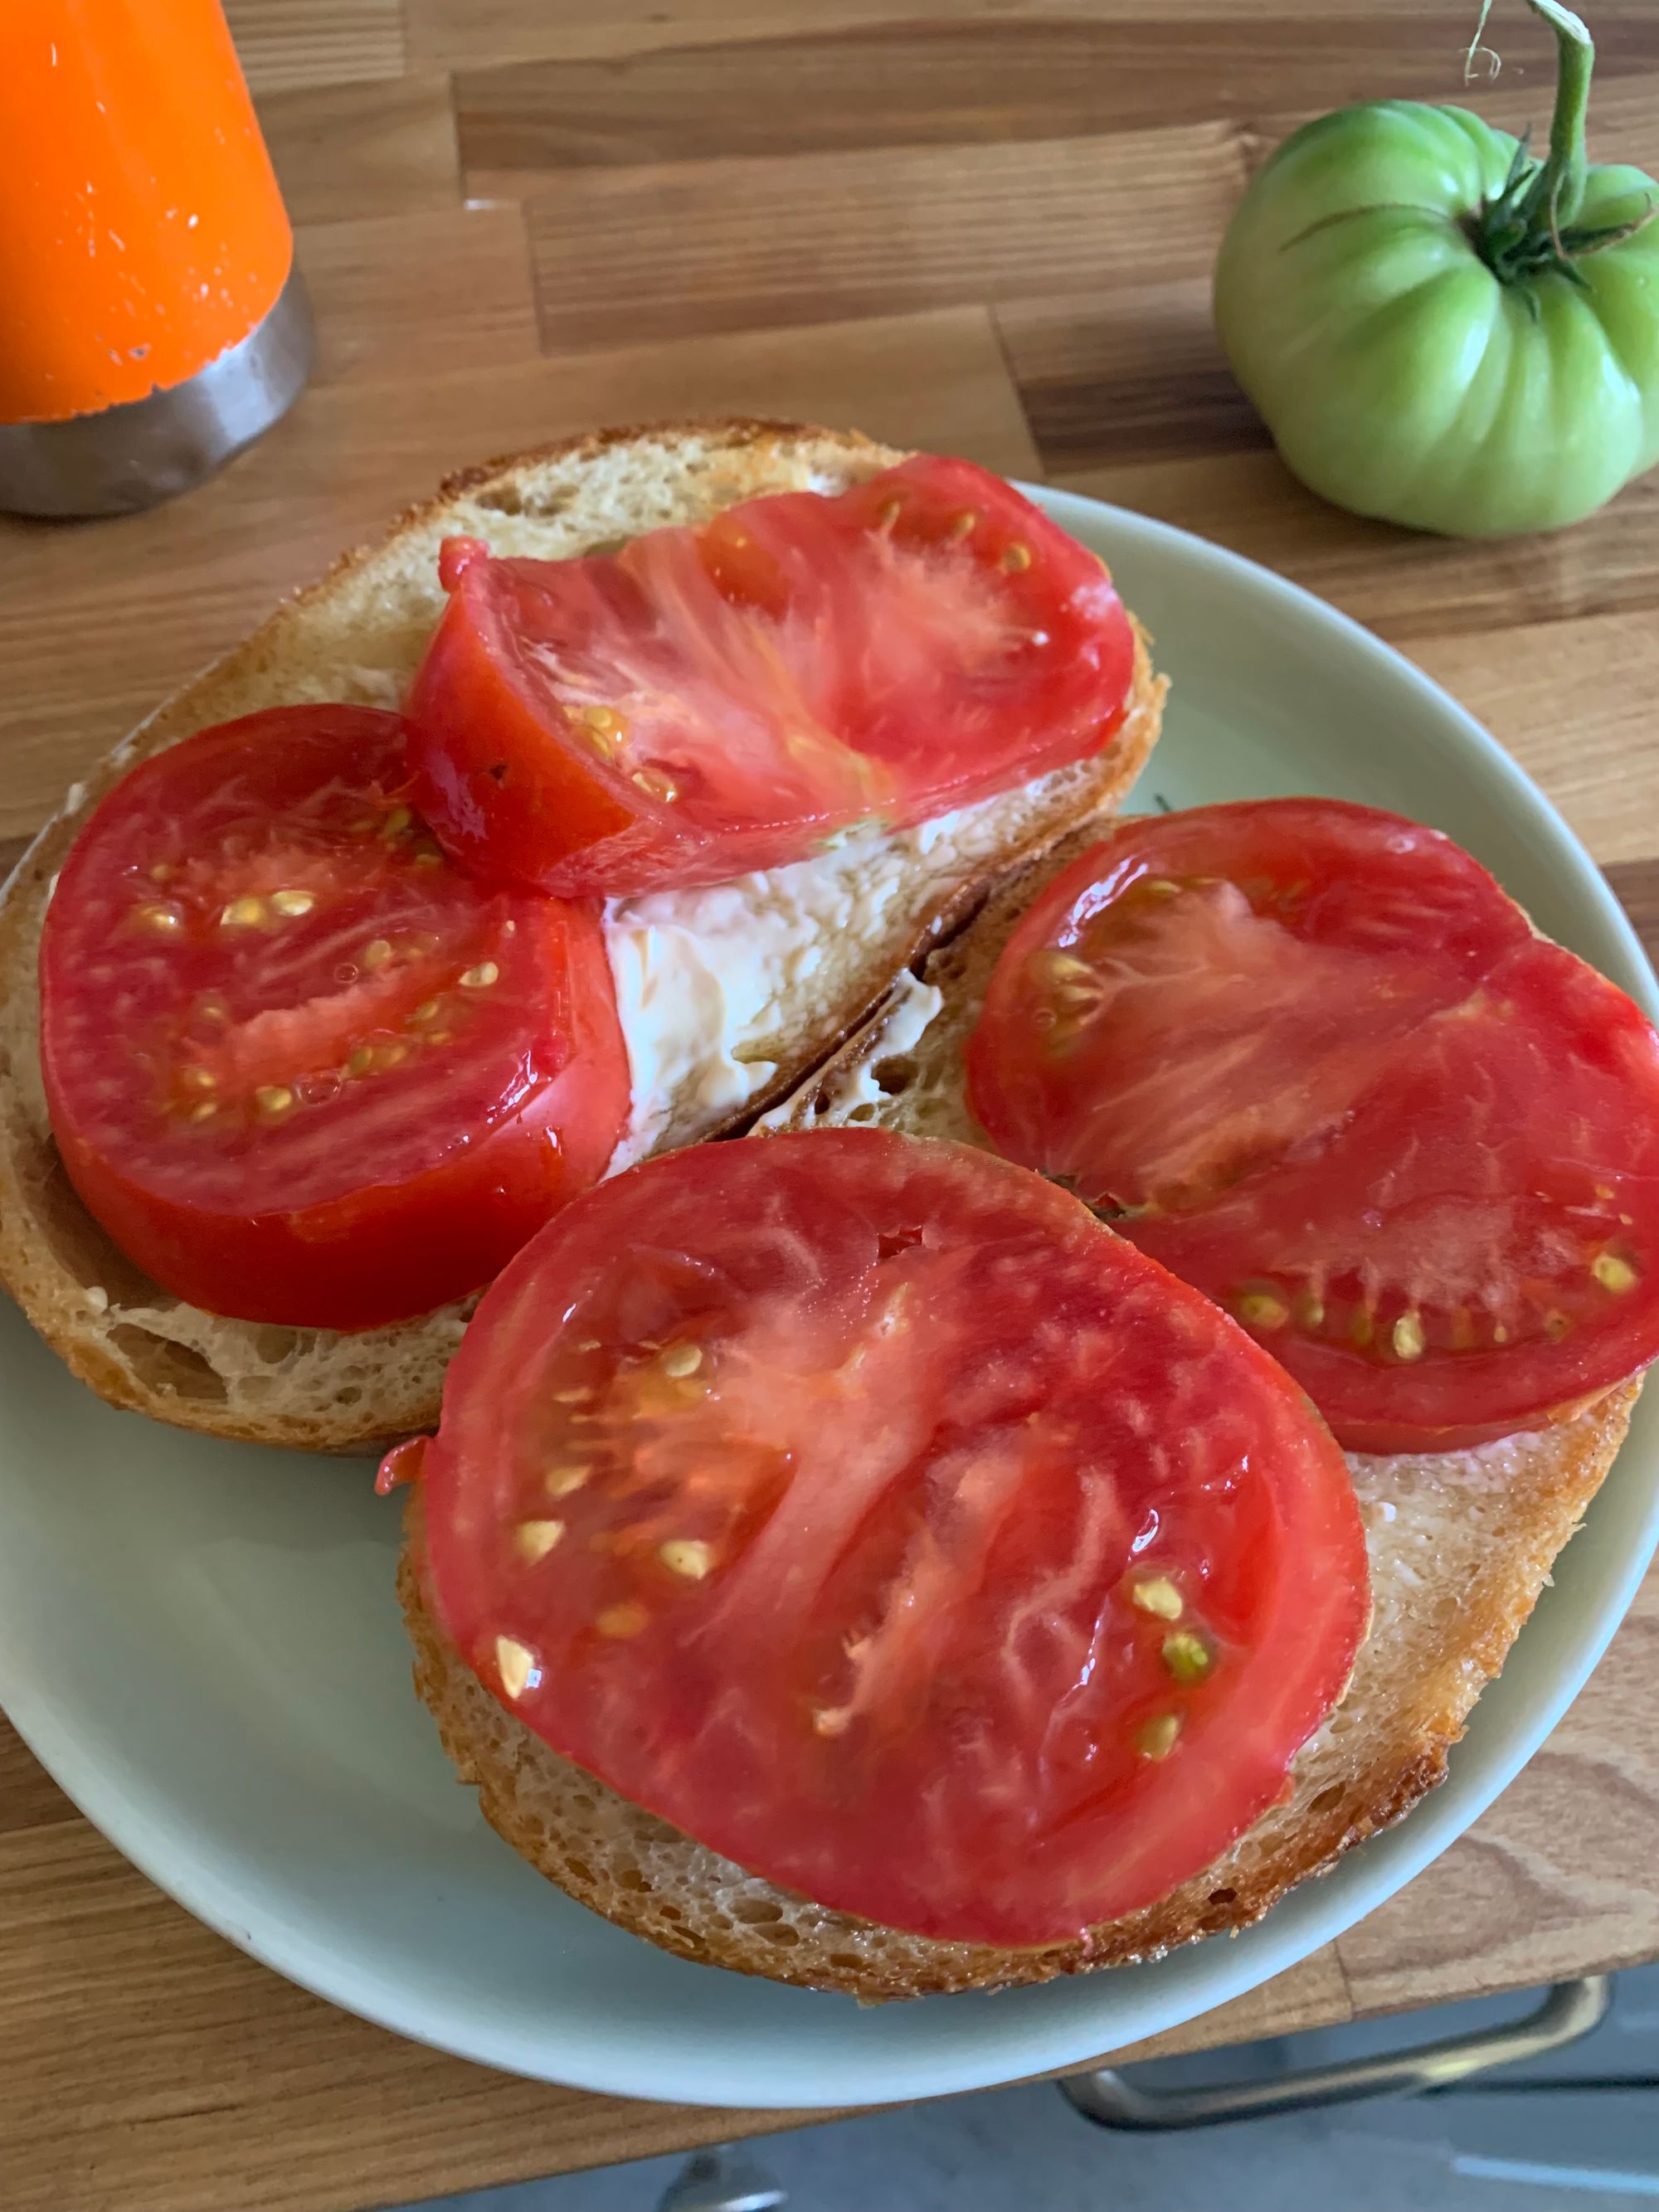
{"type": "Point", "coordinates": [1571, 2009]}
{"type": "Point", "coordinates": [722, 2181]}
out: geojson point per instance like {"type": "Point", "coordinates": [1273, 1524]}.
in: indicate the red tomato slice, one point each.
{"type": "Point", "coordinates": [301, 1068]}
{"type": "Point", "coordinates": [1320, 1065]}
{"type": "Point", "coordinates": [712, 701]}
{"type": "Point", "coordinates": [865, 1507]}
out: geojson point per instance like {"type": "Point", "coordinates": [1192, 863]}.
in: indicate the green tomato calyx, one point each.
{"type": "Point", "coordinates": [1527, 228]}
{"type": "Point", "coordinates": [1520, 234]}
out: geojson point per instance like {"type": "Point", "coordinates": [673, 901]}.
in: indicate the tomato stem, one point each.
{"type": "Point", "coordinates": [1561, 180]}
{"type": "Point", "coordinates": [1528, 228]}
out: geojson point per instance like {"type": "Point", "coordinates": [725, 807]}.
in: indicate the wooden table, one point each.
{"type": "Point", "coordinates": [988, 232]}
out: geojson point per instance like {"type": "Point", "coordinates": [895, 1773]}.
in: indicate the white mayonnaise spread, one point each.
{"type": "Point", "coordinates": [707, 980]}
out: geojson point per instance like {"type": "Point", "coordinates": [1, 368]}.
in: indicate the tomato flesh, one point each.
{"type": "Point", "coordinates": [1313, 1060]}
{"type": "Point", "coordinates": [301, 1068]}
{"type": "Point", "coordinates": [864, 1507]}
{"type": "Point", "coordinates": [715, 700]}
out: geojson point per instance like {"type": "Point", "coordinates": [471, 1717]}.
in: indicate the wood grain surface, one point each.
{"type": "Point", "coordinates": [985, 227]}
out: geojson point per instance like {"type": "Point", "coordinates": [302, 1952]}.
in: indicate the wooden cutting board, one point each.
{"type": "Point", "coordinates": [987, 230]}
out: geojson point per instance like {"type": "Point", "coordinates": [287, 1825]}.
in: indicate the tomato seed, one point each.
{"type": "Point", "coordinates": [515, 1664]}
{"type": "Point", "coordinates": [1187, 1656]}
{"type": "Point", "coordinates": [656, 785]}
{"type": "Point", "coordinates": [686, 1556]}
{"type": "Point", "coordinates": [1408, 1338]}
{"type": "Point", "coordinates": [1159, 1596]}
{"type": "Point", "coordinates": [1262, 1309]}
{"type": "Point", "coordinates": [536, 1539]}
{"type": "Point", "coordinates": [619, 1620]}
{"type": "Point", "coordinates": [1157, 1738]}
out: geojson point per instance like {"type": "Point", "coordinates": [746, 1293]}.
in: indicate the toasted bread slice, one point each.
{"type": "Point", "coordinates": [1460, 1544]}
{"type": "Point", "coordinates": [358, 634]}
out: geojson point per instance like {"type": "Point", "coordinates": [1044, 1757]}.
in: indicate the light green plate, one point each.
{"type": "Point", "coordinates": [201, 1642]}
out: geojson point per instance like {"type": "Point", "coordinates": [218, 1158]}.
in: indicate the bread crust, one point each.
{"type": "Point", "coordinates": [1490, 1522]}
{"type": "Point", "coordinates": [315, 1389]}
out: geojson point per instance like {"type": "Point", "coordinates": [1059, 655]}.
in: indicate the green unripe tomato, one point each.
{"type": "Point", "coordinates": [1440, 331]}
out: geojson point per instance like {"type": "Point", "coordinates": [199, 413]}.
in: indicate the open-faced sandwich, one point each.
{"type": "Point", "coordinates": [578, 817]}
{"type": "Point", "coordinates": [1017, 1536]}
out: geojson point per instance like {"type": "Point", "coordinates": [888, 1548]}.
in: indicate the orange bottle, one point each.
{"type": "Point", "coordinates": [151, 321]}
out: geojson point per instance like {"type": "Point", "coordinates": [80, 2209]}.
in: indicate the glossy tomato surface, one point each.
{"type": "Point", "coordinates": [1311, 1058]}
{"type": "Point", "coordinates": [301, 1068]}
{"type": "Point", "coordinates": [865, 1507]}
{"type": "Point", "coordinates": [714, 700]}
